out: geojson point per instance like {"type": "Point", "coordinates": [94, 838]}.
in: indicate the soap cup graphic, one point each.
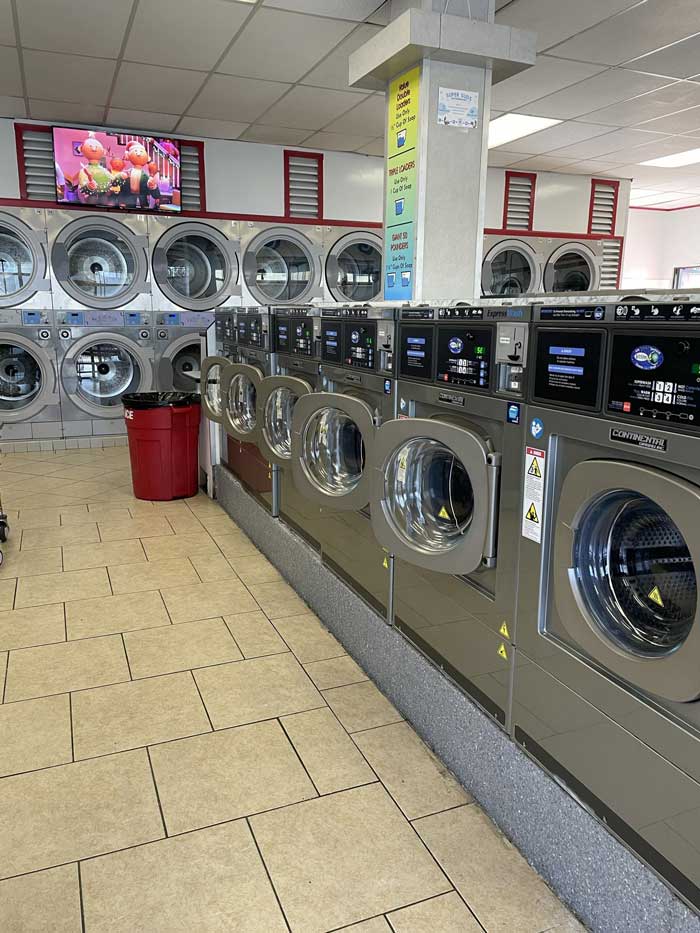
{"type": "Point", "coordinates": [400, 139]}
{"type": "Point", "coordinates": [391, 279]}
{"type": "Point", "coordinates": [398, 206]}
{"type": "Point", "coordinates": [406, 278]}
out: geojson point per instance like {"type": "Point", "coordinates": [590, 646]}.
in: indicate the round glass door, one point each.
{"type": "Point", "coordinates": [21, 378]}
{"type": "Point", "coordinates": [511, 274]}
{"type": "Point", "coordinates": [355, 274]}
{"type": "Point", "coordinates": [105, 371]}
{"type": "Point", "coordinates": [101, 264]}
{"type": "Point", "coordinates": [429, 496]}
{"type": "Point", "coordinates": [333, 451]}
{"type": "Point", "coordinates": [212, 394]}
{"type": "Point", "coordinates": [635, 574]}
{"type": "Point", "coordinates": [186, 365]}
{"type": "Point", "coordinates": [569, 271]}
{"type": "Point", "coordinates": [242, 399]}
{"type": "Point", "coordinates": [17, 262]}
{"type": "Point", "coordinates": [277, 426]}
{"type": "Point", "coordinates": [283, 270]}
{"type": "Point", "coordinates": [195, 268]}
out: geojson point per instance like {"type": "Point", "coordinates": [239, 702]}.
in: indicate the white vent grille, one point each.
{"type": "Point", "coordinates": [190, 180]}
{"type": "Point", "coordinates": [520, 207]}
{"type": "Point", "coordinates": [610, 270]}
{"type": "Point", "coordinates": [304, 186]}
{"type": "Point", "coordinates": [603, 209]}
{"type": "Point", "coordinates": [37, 157]}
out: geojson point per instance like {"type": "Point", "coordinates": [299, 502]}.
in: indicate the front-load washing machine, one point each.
{"type": "Point", "coordinates": [223, 350]}
{"type": "Point", "coordinates": [24, 268]}
{"type": "Point", "coordinates": [281, 264]}
{"type": "Point", "coordinates": [512, 266]}
{"type": "Point", "coordinates": [607, 684]}
{"type": "Point", "coordinates": [178, 355]}
{"type": "Point", "coordinates": [102, 355]}
{"type": "Point", "coordinates": [353, 264]}
{"type": "Point", "coordinates": [29, 395]}
{"type": "Point", "coordinates": [195, 264]}
{"type": "Point", "coordinates": [333, 432]}
{"type": "Point", "coordinates": [445, 490]}
{"type": "Point", "coordinates": [98, 261]}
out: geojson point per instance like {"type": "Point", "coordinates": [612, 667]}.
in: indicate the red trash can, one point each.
{"type": "Point", "coordinates": [163, 430]}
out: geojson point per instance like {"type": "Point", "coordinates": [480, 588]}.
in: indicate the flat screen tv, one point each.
{"type": "Point", "coordinates": [117, 171]}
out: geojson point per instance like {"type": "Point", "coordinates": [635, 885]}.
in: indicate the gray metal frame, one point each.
{"type": "Point", "coordinates": [35, 241]}
{"type": "Point", "coordinates": [270, 385]}
{"type": "Point", "coordinates": [49, 393]}
{"type": "Point", "coordinates": [164, 365]}
{"type": "Point", "coordinates": [207, 365]}
{"type": "Point", "coordinates": [256, 376]}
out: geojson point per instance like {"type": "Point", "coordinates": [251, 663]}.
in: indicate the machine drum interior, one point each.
{"type": "Point", "coordinates": [20, 376]}
{"type": "Point", "coordinates": [635, 574]}
{"type": "Point", "coordinates": [242, 398]}
{"type": "Point", "coordinates": [197, 267]}
{"type": "Point", "coordinates": [105, 371]}
{"type": "Point", "coordinates": [16, 263]}
{"type": "Point", "coordinates": [571, 273]}
{"type": "Point", "coordinates": [186, 368]}
{"type": "Point", "coordinates": [511, 273]}
{"type": "Point", "coordinates": [334, 451]}
{"type": "Point", "coordinates": [278, 420]}
{"type": "Point", "coordinates": [101, 265]}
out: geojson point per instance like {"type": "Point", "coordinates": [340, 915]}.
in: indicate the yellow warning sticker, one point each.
{"type": "Point", "coordinates": [531, 514]}
{"type": "Point", "coordinates": [535, 468]}
{"type": "Point", "coordinates": [502, 653]}
{"type": "Point", "coordinates": [443, 513]}
{"type": "Point", "coordinates": [386, 563]}
{"type": "Point", "coordinates": [655, 597]}
{"type": "Point", "coordinates": [504, 631]}
{"type": "Point", "coordinates": [533, 493]}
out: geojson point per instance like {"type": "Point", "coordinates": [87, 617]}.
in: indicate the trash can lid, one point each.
{"type": "Point", "coordinates": [140, 400]}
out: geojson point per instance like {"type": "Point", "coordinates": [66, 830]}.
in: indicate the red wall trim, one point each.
{"type": "Point", "coordinates": [290, 154]}
{"type": "Point", "coordinates": [604, 183]}
{"type": "Point", "coordinates": [565, 234]}
{"type": "Point", "coordinates": [506, 194]}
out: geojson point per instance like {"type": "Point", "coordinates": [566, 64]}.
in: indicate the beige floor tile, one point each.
{"type": "Point", "coordinates": [170, 547]}
{"type": "Point", "coordinates": [36, 518]}
{"type": "Point", "coordinates": [151, 527]}
{"type": "Point", "coordinates": [76, 811]}
{"type": "Point", "coordinates": [25, 628]}
{"type": "Point", "coordinates": [447, 913]}
{"type": "Point", "coordinates": [218, 524]}
{"type": "Point", "coordinates": [31, 563]}
{"type": "Point", "coordinates": [33, 538]}
{"type": "Point", "coordinates": [28, 485]}
{"type": "Point", "coordinates": [184, 523]}
{"type": "Point", "coordinates": [34, 734]}
{"type": "Point", "coordinates": [225, 775]}
{"type": "Point", "coordinates": [307, 638]}
{"type": "Point", "coordinates": [255, 635]}
{"type": "Point", "coordinates": [249, 691]}
{"type": "Point", "coordinates": [328, 859]}
{"type": "Point", "coordinates": [375, 925]}
{"type": "Point", "coordinates": [86, 489]}
{"type": "Point", "coordinates": [210, 880]}
{"type": "Point", "coordinates": [255, 569]}
{"type": "Point", "coordinates": [3, 668]}
{"type": "Point", "coordinates": [29, 502]}
{"type": "Point", "coordinates": [207, 600]}
{"type": "Point", "coordinates": [43, 902]}
{"type": "Point", "coordinates": [110, 614]}
{"type": "Point", "coordinates": [123, 716]}
{"type": "Point", "coordinates": [7, 593]}
{"type": "Point", "coordinates": [136, 578]}
{"type": "Point", "coordinates": [61, 587]}
{"type": "Point", "coordinates": [236, 544]}
{"type": "Point", "coordinates": [212, 567]}
{"type": "Point", "coordinates": [361, 706]}
{"type": "Point", "coordinates": [278, 600]}
{"type": "Point", "coordinates": [78, 473]}
{"type": "Point", "coordinates": [104, 554]}
{"type": "Point", "coordinates": [501, 889]}
{"type": "Point", "coordinates": [336, 672]}
{"type": "Point", "coordinates": [106, 513]}
{"type": "Point", "coordinates": [73, 665]}
{"type": "Point", "coordinates": [418, 781]}
{"type": "Point", "coordinates": [329, 754]}
{"type": "Point", "coordinates": [180, 647]}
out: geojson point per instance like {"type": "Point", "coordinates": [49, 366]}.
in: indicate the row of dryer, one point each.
{"type": "Point", "coordinates": [517, 490]}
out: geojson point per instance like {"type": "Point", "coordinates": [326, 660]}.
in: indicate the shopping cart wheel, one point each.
{"type": "Point", "coordinates": [2, 558]}
{"type": "Point", "coordinates": [4, 531]}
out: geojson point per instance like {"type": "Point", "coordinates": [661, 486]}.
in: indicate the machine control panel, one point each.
{"type": "Point", "coordinates": [589, 313]}
{"type": "Point", "coordinates": [360, 344]}
{"type": "Point", "coordinates": [104, 318]}
{"type": "Point", "coordinates": [332, 342]}
{"type": "Point", "coordinates": [464, 356]}
{"type": "Point", "coordinates": [657, 312]}
{"type": "Point", "coordinates": [297, 335]}
{"type": "Point", "coordinates": [416, 351]}
{"type": "Point", "coordinates": [253, 330]}
{"type": "Point", "coordinates": [568, 366]}
{"type": "Point", "coordinates": [200, 319]}
{"type": "Point", "coordinates": [21, 318]}
{"type": "Point", "coordinates": [359, 338]}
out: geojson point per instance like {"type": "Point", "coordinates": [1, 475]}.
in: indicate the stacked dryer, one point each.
{"type": "Point", "coordinates": [353, 264]}
{"type": "Point", "coordinates": [282, 264]}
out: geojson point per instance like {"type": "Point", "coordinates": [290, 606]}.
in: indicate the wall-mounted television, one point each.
{"type": "Point", "coordinates": [117, 171]}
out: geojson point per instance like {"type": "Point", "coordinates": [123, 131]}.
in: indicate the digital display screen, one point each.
{"type": "Point", "coordinates": [302, 337]}
{"type": "Point", "coordinates": [117, 171]}
{"type": "Point", "coordinates": [568, 366]}
{"type": "Point", "coordinates": [282, 329]}
{"type": "Point", "coordinates": [331, 342]}
{"type": "Point", "coordinates": [656, 377]}
{"type": "Point", "coordinates": [255, 332]}
{"type": "Point", "coordinates": [464, 356]}
{"type": "Point", "coordinates": [242, 325]}
{"type": "Point", "coordinates": [416, 352]}
{"type": "Point", "coordinates": [360, 344]}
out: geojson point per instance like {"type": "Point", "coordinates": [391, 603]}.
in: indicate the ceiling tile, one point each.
{"type": "Point", "coordinates": [593, 94]}
{"type": "Point", "coordinates": [340, 142]}
{"type": "Point", "coordinates": [83, 27]}
{"type": "Point", "coordinates": [166, 89]}
{"type": "Point", "coordinates": [499, 158]}
{"type": "Point", "coordinates": [310, 108]}
{"type": "Point", "coordinates": [157, 35]}
{"type": "Point", "coordinates": [544, 163]}
{"type": "Point", "coordinates": [274, 135]}
{"type": "Point", "coordinates": [594, 168]}
{"type": "Point", "coordinates": [7, 26]}
{"type": "Point", "coordinates": [10, 77]}
{"type": "Point", "coordinates": [680, 60]}
{"type": "Point", "coordinates": [375, 148]}
{"type": "Point", "coordinates": [644, 28]}
{"type": "Point", "coordinates": [142, 120]}
{"type": "Point", "coordinates": [556, 20]}
{"type": "Point", "coordinates": [659, 103]}
{"type": "Point", "coordinates": [662, 147]}
{"type": "Point", "coordinates": [216, 129]}
{"type": "Point", "coordinates": [281, 46]}
{"type": "Point", "coordinates": [547, 76]}
{"type": "Point", "coordinates": [367, 119]}
{"type": "Point", "coordinates": [685, 121]}
{"type": "Point", "coordinates": [556, 137]}
{"type": "Point", "coordinates": [619, 141]}
{"type": "Point", "coordinates": [333, 70]}
{"type": "Point", "coordinates": [356, 10]}
{"type": "Point", "coordinates": [688, 201]}
{"type": "Point", "coordinates": [65, 112]}
{"type": "Point", "coordinates": [241, 100]}
{"type": "Point", "coordinates": [68, 77]}
{"type": "Point", "coordinates": [12, 107]}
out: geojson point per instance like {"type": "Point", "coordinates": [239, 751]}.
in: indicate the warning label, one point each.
{"type": "Point", "coordinates": [533, 494]}
{"type": "Point", "coordinates": [655, 597]}
{"type": "Point", "coordinates": [443, 513]}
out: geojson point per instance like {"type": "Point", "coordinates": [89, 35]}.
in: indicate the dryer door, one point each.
{"type": "Point", "coordinates": [510, 268]}
{"type": "Point", "coordinates": [626, 549]}
{"type": "Point", "coordinates": [241, 384]}
{"type": "Point", "coordinates": [277, 399]}
{"type": "Point", "coordinates": [571, 268]}
{"type": "Point", "coordinates": [331, 434]}
{"type": "Point", "coordinates": [98, 369]}
{"type": "Point", "coordinates": [28, 380]}
{"type": "Point", "coordinates": [180, 367]}
{"type": "Point", "coordinates": [281, 266]}
{"type": "Point", "coordinates": [354, 267]}
{"type": "Point", "coordinates": [196, 266]}
{"type": "Point", "coordinates": [211, 387]}
{"type": "Point", "coordinates": [435, 495]}
{"type": "Point", "coordinates": [23, 265]}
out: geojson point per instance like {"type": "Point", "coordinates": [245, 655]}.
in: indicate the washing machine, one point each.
{"type": "Point", "coordinates": [29, 395]}
{"type": "Point", "coordinates": [24, 268]}
{"type": "Point", "coordinates": [102, 355]}
{"type": "Point", "coordinates": [333, 432]}
{"type": "Point", "coordinates": [530, 264]}
{"type": "Point", "coordinates": [195, 265]}
{"type": "Point", "coordinates": [241, 383]}
{"type": "Point", "coordinates": [282, 264]}
{"type": "Point", "coordinates": [98, 261]}
{"type": "Point", "coordinates": [353, 264]}
{"type": "Point", "coordinates": [178, 354]}
{"type": "Point", "coordinates": [607, 684]}
{"type": "Point", "coordinates": [445, 481]}
{"type": "Point", "coordinates": [223, 349]}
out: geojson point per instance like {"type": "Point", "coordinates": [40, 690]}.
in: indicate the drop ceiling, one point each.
{"type": "Point", "coordinates": [623, 76]}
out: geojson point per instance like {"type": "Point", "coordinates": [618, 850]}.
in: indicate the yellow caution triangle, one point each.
{"type": "Point", "coordinates": [531, 514]}
{"type": "Point", "coordinates": [386, 563]}
{"type": "Point", "coordinates": [535, 469]}
{"type": "Point", "coordinates": [443, 513]}
{"type": "Point", "coordinates": [504, 631]}
{"type": "Point", "coordinates": [655, 597]}
{"type": "Point", "coordinates": [502, 653]}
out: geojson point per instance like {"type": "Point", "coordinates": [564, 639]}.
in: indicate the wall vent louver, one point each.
{"type": "Point", "coordinates": [519, 200]}
{"type": "Point", "coordinates": [303, 185]}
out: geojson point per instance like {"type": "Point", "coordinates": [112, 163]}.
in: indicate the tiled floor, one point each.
{"type": "Point", "coordinates": [184, 747]}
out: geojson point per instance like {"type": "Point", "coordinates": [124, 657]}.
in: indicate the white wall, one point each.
{"type": "Point", "coordinates": [9, 180]}
{"type": "Point", "coordinates": [657, 242]}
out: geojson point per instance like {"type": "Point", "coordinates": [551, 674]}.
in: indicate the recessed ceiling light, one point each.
{"type": "Point", "coordinates": [512, 126]}
{"type": "Point", "coordinates": [689, 157]}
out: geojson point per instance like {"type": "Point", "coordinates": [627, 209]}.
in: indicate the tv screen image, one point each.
{"type": "Point", "coordinates": [118, 171]}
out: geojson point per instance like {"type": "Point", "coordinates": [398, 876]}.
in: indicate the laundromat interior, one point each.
{"type": "Point", "coordinates": [349, 466]}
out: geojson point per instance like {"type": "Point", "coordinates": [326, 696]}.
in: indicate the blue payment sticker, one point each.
{"type": "Point", "coordinates": [514, 414]}
{"type": "Point", "coordinates": [536, 427]}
